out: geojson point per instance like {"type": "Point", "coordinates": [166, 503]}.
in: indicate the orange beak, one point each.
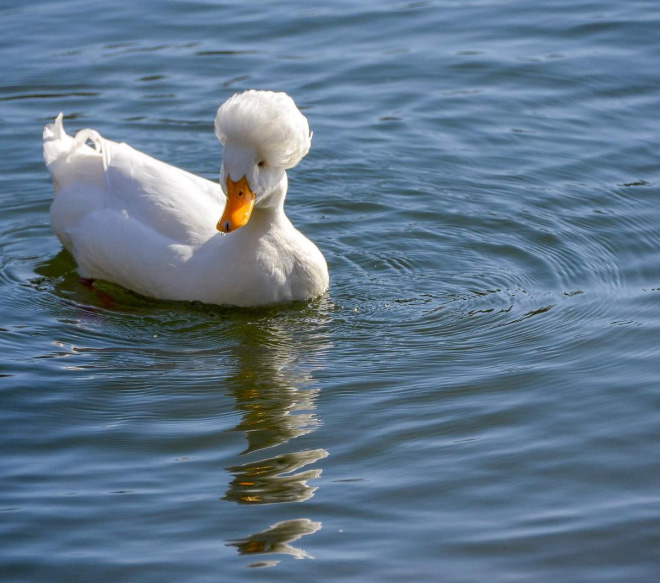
{"type": "Point", "coordinates": [240, 202]}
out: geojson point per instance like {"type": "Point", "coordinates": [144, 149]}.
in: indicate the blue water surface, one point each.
{"type": "Point", "coordinates": [474, 400]}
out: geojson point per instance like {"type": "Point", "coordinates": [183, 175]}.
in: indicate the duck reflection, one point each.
{"type": "Point", "coordinates": [271, 481]}
{"type": "Point", "coordinates": [276, 538]}
{"type": "Point", "coordinates": [273, 388]}
{"type": "Point", "coordinates": [276, 404]}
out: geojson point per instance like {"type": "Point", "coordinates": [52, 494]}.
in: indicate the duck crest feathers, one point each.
{"type": "Point", "coordinates": [267, 121]}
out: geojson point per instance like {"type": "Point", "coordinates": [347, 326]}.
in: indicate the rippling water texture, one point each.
{"type": "Point", "coordinates": [475, 399]}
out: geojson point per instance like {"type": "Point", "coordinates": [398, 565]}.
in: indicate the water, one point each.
{"type": "Point", "coordinates": [475, 399]}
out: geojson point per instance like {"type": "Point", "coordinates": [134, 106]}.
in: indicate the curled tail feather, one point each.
{"type": "Point", "coordinates": [56, 141]}
{"type": "Point", "coordinates": [71, 159]}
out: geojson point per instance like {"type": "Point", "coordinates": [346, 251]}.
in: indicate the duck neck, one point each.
{"type": "Point", "coordinates": [271, 211]}
{"type": "Point", "coordinates": [267, 217]}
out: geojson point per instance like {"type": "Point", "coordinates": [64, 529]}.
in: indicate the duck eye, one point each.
{"type": "Point", "coordinates": [261, 163]}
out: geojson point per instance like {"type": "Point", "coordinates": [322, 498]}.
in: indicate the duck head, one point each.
{"type": "Point", "coordinates": [263, 134]}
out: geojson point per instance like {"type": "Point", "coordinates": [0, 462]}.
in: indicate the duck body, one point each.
{"type": "Point", "coordinates": [153, 228]}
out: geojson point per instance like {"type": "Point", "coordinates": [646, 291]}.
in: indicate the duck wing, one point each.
{"type": "Point", "coordinates": [175, 203]}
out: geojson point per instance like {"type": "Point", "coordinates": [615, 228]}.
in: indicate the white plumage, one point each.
{"type": "Point", "coordinates": [270, 122]}
{"type": "Point", "coordinates": [151, 227]}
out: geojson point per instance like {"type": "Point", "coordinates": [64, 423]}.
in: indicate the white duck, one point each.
{"type": "Point", "coordinates": [153, 228]}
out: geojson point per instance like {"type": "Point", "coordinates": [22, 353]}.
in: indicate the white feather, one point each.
{"type": "Point", "coordinates": [268, 122]}
{"type": "Point", "coordinates": [149, 226]}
